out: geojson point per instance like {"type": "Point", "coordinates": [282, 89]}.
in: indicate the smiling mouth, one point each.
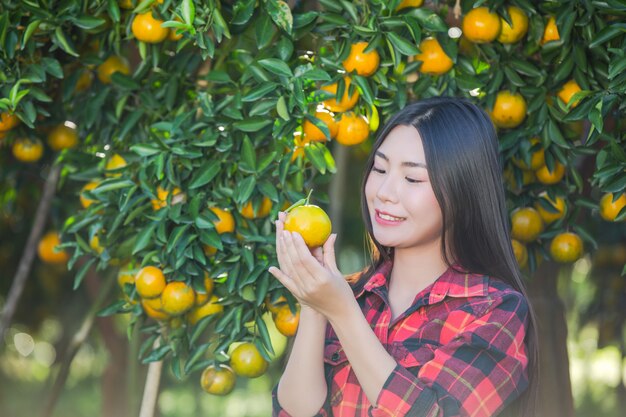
{"type": "Point", "coordinates": [388, 217]}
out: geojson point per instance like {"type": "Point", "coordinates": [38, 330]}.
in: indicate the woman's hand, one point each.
{"type": "Point", "coordinates": [311, 276]}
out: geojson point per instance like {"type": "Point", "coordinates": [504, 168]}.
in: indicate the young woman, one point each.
{"type": "Point", "coordinates": [439, 324]}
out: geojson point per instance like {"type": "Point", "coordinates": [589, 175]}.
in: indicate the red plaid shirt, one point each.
{"type": "Point", "coordinates": [459, 350]}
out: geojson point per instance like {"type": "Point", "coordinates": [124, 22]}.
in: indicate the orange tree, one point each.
{"type": "Point", "coordinates": [184, 126]}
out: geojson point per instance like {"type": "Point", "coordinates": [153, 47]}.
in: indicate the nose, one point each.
{"type": "Point", "coordinates": [387, 191]}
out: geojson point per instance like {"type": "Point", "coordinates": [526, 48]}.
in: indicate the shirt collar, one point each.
{"type": "Point", "coordinates": [454, 282]}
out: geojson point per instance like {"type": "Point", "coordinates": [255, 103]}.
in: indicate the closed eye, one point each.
{"type": "Point", "coordinates": [382, 171]}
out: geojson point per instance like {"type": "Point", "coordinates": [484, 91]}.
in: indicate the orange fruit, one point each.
{"type": "Point", "coordinates": [218, 380]}
{"type": "Point", "coordinates": [550, 32]}
{"type": "Point", "coordinates": [203, 296]}
{"type": "Point", "coordinates": [150, 282]}
{"type": "Point", "coordinates": [537, 158]}
{"type": "Point", "coordinates": [481, 25]}
{"type": "Point", "coordinates": [148, 29]}
{"type": "Point", "coordinates": [84, 201]}
{"type": "Point", "coordinates": [246, 360]}
{"type": "Point", "coordinates": [567, 92]}
{"type": "Point", "coordinates": [521, 253]}
{"type": "Point", "coordinates": [311, 222]}
{"type": "Point", "coordinates": [209, 250]}
{"type": "Point", "coordinates": [153, 313]}
{"type": "Point", "coordinates": [549, 216]}
{"type": "Point", "coordinates": [434, 60]}
{"type": "Point", "coordinates": [566, 247]}
{"type": "Point", "coordinates": [353, 129]}
{"type": "Point", "coordinates": [364, 63]}
{"type": "Point", "coordinates": [248, 211]}
{"type": "Point", "coordinates": [173, 36]}
{"type": "Point", "coordinates": [48, 251]}
{"type": "Point", "coordinates": [287, 322]}
{"type": "Point", "coordinates": [274, 306]}
{"type": "Point", "coordinates": [8, 121]}
{"type": "Point", "coordinates": [225, 222]}
{"type": "Point", "coordinates": [404, 4]}
{"type": "Point", "coordinates": [110, 66]}
{"type": "Point", "coordinates": [126, 276]}
{"type": "Point", "coordinates": [62, 137]}
{"type": "Point", "coordinates": [526, 224]}
{"type": "Point", "coordinates": [177, 298]}
{"type": "Point", "coordinates": [161, 200]}
{"type": "Point", "coordinates": [94, 243]}
{"type": "Point", "coordinates": [207, 309]}
{"type": "Point", "coordinates": [84, 81]}
{"type": "Point", "coordinates": [346, 102]}
{"type": "Point", "coordinates": [125, 4]}
{"type": "Point", "coordinates": [27, 150]}
{"type": "Point", "coordinates": [515, 33]}
{"type": "Point", "coordinates": [313, 133]}
{"type": "Point", "coordinates": [509, 110]}
{"type": "Point", "coordinates": [153, 303]}
{"type": "Point", "coordinates": [528, 177]}
{"type": "Point", "coordinates": [546, 177]}
{"type": "Point", "coordinates": [115, 162]}
{"type": "Point", "coordinates": [609, 209]}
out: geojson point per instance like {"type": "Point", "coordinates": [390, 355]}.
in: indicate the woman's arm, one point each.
{"type": "Point", "coordinates": [302, 388]}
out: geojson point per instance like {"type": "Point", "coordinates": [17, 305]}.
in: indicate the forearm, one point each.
{"type": "Point", "coordinates": [302, 388]}
{"type": "Point", "coordinates": [371, 363]}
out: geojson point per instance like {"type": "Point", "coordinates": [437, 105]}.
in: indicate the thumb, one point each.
{"type": "Point", "coordinates": [329, 253]}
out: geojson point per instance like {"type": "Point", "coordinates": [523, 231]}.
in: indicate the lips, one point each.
{"type": "Point", "coordinates": [383, 217]}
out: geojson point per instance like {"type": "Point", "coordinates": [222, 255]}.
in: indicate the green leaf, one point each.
{"type": "Point", "coordinates": [116, 307]}
{"type": "Point", "coordinates": [402, 45]}
{"type": "Point", "coordinates": [281, 108]}
{"type": "Point", "coordinates": [280, 13]}
{"type": "Point", "coordinates": [114, 10]}
{"type": "Point", "coordinates": [429, 19]}
{"type": "Point", "coordinates": [253, 124]}
{"type": "Point", "coordinates": [244, 189]}
{"type": "Point", "coordinates": [188, 12]}
{"type": "Point", "coordinates": [316, 157]}
{"type": "Point", "coordinates": [259, 92]}
{"type": "Point", "coordinates": [78, 279]}
{"type": "Point", "coordinates": [144, 237]}
{"type": "Point", "coordinates": [157, 354]}
{"type": "Point", "coordinates": [276, 66]}
{"type": "Point", "coordinates": [608, 33]}
{"type": "Point", "coordinates": [30, 29]}
{"type": "Point", "coordinates": [264, 30]}
{"type": "Point", "coordinates": [205, 174]}
{"type": "Point", "coordinates": [65, 44]}
{"type": "Point", "coordinates": [88, 22]}
{"type": "Point", "coordinates": [248, 155]}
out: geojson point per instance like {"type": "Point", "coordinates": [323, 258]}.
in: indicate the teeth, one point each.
{"type": "Point", "coordinates": [390, 218]}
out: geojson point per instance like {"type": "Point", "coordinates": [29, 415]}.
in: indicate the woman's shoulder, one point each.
{"type": "Point", "coordinates": [505, 296]}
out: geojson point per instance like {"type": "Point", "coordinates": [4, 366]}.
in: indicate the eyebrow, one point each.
{"type": "Point", "coordinates": [406, 163]}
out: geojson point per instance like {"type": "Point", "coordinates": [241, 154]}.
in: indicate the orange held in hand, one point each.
{"type": "Point", "coordinates": [311, 222]}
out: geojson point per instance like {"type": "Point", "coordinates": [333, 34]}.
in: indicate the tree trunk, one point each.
{"type": "Point", "coordinates": [555, 391]}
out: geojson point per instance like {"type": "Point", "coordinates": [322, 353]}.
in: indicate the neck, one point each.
{"type": "Point", "coordinates": [417, 267]}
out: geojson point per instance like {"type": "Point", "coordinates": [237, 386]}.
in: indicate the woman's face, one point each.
{"type": "Point", "coordinates": [400, 199]}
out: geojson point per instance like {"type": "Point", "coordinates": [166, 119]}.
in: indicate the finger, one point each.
{"type": "Point", "coordinates": [329, 253]}
{"type": "Point", "coordinates": [302, 252]}
{"type": "Point", "coordinates": [282, 253]}
{"type": "Point", "coordinates": [285, 280]}
{"type": "Point", "coordinates": [318, 254]}
{"type": "Point", "coordinates": [282, 216]}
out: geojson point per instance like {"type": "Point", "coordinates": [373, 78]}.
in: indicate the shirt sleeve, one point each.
{"type": "Point", "coordinates": [279, 411]}
{"type": "Point", "coordinates": [480, 371]}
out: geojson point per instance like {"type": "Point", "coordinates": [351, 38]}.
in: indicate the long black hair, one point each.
{"type": "Point", "coordinates": [465, 171]}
